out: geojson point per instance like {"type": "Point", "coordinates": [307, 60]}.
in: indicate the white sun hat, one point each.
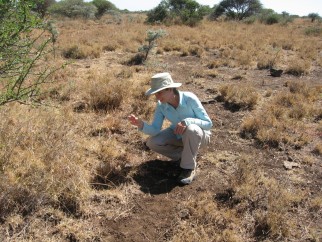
{"type": "Point", "coordinates": [161, 81]}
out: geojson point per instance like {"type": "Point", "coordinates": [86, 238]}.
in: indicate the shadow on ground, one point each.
{"type": "Point", "coordinates": [157, 176]}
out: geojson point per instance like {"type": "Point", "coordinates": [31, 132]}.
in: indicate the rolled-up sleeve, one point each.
{"type": "Point", "coordinates": [154, 128]}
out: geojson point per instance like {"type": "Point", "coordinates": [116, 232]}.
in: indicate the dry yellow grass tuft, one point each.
{"type": "Point", "coordinates": [239, 96]}
{"type": "Point", "coordinates": [252, 188]}
{"type": "Point", "coordinates": [280, 120]}
{"type": "Point", "coordinates": [82, 52]}
{"type": "Point", "coordinates": [202, 212]}
{"type": "Point", "coordinates": [298, 67]}
{"type": "Point", "coordinates": [40, 164]}
{"type": "Point", "coordinates": [318, 149]}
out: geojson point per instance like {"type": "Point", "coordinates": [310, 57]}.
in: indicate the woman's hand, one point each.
{"type": "Point", "coordinates": [136, 121]}
{"type": "Point", "coordinates": [180, 128]}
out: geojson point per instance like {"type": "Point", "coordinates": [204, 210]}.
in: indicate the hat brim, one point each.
{"type": "Point", "coordinates": [153, 91]}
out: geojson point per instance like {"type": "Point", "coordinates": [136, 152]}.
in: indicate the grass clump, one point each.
{"type": "Point", "coordinates": [81, 52]}
{"type": "Point", "coordinates": [112, 167]}
{"type": "Point", "coordinates": [111, 46]}
{"type": "Point", "coordinates": [239, 96]}
{"type": "Point", "coordinates": [40, 163]}
{"type": "Point", "coordinates": [318, 149]}
{"type": "Point", "coordinates": [279, 120]}
{"type": "Point", "coordinates": [313, 31]}
{"type": "Point", "coordinates": [196, 50]}
{"type": "Point", "coordinates": [202, 212]}
{"type": "Point", "coordinates": [105, 95]}
{"type": "Point", "coordinates": [141, 105]}
{"type": "Point", "coordinates": [262, 197]}
{"type": "Point", "coordinates": [298, 67]}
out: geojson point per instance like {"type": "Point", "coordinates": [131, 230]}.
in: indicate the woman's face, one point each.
{"type": "Point", "coordinates": [164, 95]}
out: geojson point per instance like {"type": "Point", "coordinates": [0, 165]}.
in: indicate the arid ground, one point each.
{"type": "Point", "coordinates": [74, 169]}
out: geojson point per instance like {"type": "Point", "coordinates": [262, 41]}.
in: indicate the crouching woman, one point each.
{"type": "Point", "coordinates": [190, 125]}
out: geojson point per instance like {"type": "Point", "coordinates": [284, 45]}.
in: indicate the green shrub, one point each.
{"type": "Point", "coordinates": [187, 12]}
{"type": "Point", "coordinates": [313, 31]}
{"type": "Point", "coordinates": [272, 19]}
{"type": "Point", "coordinates": [249, 20]}
{"type": "Point", "coordinates": [21, 52]}
{"type": "Point", "coordinates": [74, 9]}
{"type": "Point", "coordinates": [314, 16]}
{"type": "Point", "coordinates": [103, 6]}
{"type": "Point", "coordinates": [144, 50]}
{"type": "Point", "coordinates": [269, 16]}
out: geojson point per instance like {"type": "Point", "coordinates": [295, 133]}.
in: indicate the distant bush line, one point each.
{"type": "Point", "coordinates": [174, 12]}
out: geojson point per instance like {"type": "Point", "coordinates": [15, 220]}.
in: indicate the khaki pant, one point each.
{"type": "Point", "coordinates": [167, 144]}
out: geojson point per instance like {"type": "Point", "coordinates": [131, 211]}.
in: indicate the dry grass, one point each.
{"type": "Point", "coordinates": [252, 201]}
{"type": "Point", "coordinates": [279, 121]}
{"type": "Point", "coordinates": [318, 149]}
{"type": "Point", "coordinates": [298, 67]}
{"type": "Point", "coordinates": [251, 188]}
{"type": "Point", "coordinates": [40, 162]}
{"type": "Point", "coordinates": [203, 212]}
{"type": "Point", "coordinates": [259, 51]}
{"type": "Point", "coordinates": [66, 172]}
{"type": "Point", "coordinates": [239, 96]}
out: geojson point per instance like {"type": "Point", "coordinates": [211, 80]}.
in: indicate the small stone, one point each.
{"type": "Point", "coordinates": [184, 214]}
{"type": "Point", "coordinates": [290, 165]}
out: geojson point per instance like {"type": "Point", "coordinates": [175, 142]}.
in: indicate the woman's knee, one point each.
{"type": "Point", "coordinates": [150, 143]}
{"type": "Point", "coordinates": [193, 130]}
{"type": "Point", "coordinates": [153, 142]}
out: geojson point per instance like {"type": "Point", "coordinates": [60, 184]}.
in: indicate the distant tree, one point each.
{"type": "Point", "coordinates": [187, 12]}
{"type": "Point", "coordinates": [103, 6]}
{"type": "Point", "coordinates": [237, 9]}
{"type": "Point", "coordinates": [268, 16]}
{"type": "Point", "coordinates": [73, 9]}
{"type": "Point", "coordinates": [285, 14]}
{"type": "Point", "coordinates": [41, 6]}
{"type": "Point", "coordinates": [286, 18]}
{"type": "Point", "coordinates": [314, 16]}
{"type": "Point", "coordinates": [205, 9]}
{"type": "Point", "coordinates": [159, 14]}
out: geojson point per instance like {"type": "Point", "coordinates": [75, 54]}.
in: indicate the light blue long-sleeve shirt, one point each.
{"type": "Point", "coordinates": [189, 110]}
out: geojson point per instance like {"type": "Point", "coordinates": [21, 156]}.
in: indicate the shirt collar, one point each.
{"type": "Point", "coordinates": [181, 101]}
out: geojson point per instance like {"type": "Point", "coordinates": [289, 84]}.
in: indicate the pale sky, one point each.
{"type": "Point", "coordinates": [298, 7]}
